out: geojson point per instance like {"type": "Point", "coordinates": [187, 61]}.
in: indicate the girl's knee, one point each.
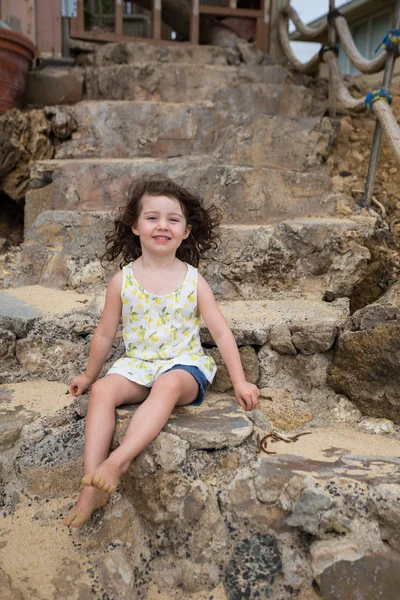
{"type": "Point", "coordinates": [169, 383]}
{"type": "Point", "coordinates": [102, 392]}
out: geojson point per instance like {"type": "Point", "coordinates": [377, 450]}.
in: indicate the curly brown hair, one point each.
{"type": "Point", "coordinates": [122, 243]}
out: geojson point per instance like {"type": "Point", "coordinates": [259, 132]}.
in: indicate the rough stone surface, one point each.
{"type": "Point", "coordinates": [117, 574]}
{"type": "Point", "coordinates": [173, 83]}
{"type": "Point", "coordinates": [281, 410]}
{"type": "Point", "coordinates": [25, 137]}
{"type": "Point", "coordinates": [370, 378]}
{"type": "Point", "coordinates": [214, 425]}
{"type": "Point", "coordinates": [107, 129]}
{"type": "Point", "coordinates": [222, 381]}
{"type": "Point", "coordinates": [251, 261]}
{"type": "Point", "coordinates": [101, 55]}
{"type": "Point", "coordinates": [347, 270]}
{"type": "Point", "coordinates": [315, 338]}
{"type": "Point", "coordinates": [298, 374]}
{"type": "Point", "coordinates": [298, 143]}
{"type": "Point", "coordinates": [280, 339]}
{"type": "Point", "coordinates": [368, 577]}
{"type": "Point", "coordinates": [55, 464]}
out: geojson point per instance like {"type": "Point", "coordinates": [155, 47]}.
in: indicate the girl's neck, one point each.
{"type": "Point", "coordinates": [154, 263]}
{"type": "Point", "coordinates": [159, 277]}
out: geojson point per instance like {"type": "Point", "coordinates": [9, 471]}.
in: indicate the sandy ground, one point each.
{"type": "Point", "coordinates": [330, 444]}
{"type": "Point", "coordinates": [48, 301]}
{"type": "Point", "coordinates": [39, 554]}
{"type": "Point", "coordinates": [39, 396]}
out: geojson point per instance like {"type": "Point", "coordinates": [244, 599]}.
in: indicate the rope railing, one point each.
{"type": "Point", "coordinates": [377, 101]}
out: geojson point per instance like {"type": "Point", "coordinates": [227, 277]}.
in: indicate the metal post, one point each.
{"type": "Point", "coordinates": [332, 43]}
{"type": "Point", "coordinates": [376, 143]}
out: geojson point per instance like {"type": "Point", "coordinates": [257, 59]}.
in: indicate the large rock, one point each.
{"type": "Point", "coordinates": [55, 465]}
{"type": "Point", "coordinates": [371, 576]}
{"type": "Point", "coordinates": [365, 366]}
{"type": "Point", "coordinates": [25, 136]}
{"type": "Point", "coordinates": [219, 423]}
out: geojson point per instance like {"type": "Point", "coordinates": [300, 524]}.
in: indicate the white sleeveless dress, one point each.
{"type": "Point", "coordinates": [160, 331]}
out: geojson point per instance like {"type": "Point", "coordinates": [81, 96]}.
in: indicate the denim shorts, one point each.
{"type": "Point", "coordinates": [199, 377]}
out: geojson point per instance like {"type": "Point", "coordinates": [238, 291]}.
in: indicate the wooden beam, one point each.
{"type": "Point", "coordinates": [222, 11]}
{"type": "Point", "coordinates": [263, 27]}
{"type": "Point", "coordinates": [119, 17]}
{"type": "Point", "coordinates": [157, 19]}
{"type": "Point", "coordinates": [78, 24]}
{"type": "Point", "coordinates": [98, 36]}
{"type": "Point", "coordinates": [194, 22]}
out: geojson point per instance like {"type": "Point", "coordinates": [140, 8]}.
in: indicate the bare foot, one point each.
{"type": "Point", "coordinates": [89, 499]}
{"type": "Point", "coordinates": [106, 477]}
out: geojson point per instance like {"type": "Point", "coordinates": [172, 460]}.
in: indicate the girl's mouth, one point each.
{"type": "Point", "coordinates": [161, 238]}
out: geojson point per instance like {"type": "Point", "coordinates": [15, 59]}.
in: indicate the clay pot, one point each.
{"type": "Point", "coordinates": [16, 55]}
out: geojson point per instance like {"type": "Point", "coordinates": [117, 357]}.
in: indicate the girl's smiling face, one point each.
{"type": "Point", "coordinates": [161, 225]}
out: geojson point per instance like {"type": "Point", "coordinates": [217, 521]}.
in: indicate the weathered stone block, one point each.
{"type": "Point", "coordinates": [222, 381]}
{"type": "Point", "coordinates": [365, 368]}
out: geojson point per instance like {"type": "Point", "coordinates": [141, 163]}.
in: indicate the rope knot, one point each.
{"type": "Point", "coordinates": [391, 41]}
{"type": "Point", "coordinates": [378, 94]}
{"type": "Point", "coordinates": [325, 49]}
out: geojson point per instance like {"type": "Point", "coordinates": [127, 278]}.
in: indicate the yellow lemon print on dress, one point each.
{"type": "Point", "coordinates": [124, 300]}
{"type": "Point", "coordinates": [186, 332]}
{"type": "Point", "coordinates": [157, 300]}
{"type": "Point", "coordinates": [154, 337]}
{"type": "Point", "coordinates": [191, 297]}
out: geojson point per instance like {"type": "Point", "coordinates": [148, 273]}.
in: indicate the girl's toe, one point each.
{"type": "Point", "coordinates": [87, 479]}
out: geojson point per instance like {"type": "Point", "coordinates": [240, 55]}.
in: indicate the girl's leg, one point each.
{"type": "Point", "coordinates": [106, 395]}
{"type": "Point", "coordinates": [175, 388]}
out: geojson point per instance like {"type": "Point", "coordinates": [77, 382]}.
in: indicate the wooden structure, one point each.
{"type": "Point", "coordinates": [42, 22]}
{"type": "Point", "coordinates": [261, 16]}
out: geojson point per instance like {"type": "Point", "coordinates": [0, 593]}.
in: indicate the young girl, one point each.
{"type": "Point", "coordinates": [160, 235]}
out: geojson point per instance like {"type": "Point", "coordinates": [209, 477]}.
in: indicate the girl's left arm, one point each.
{"type": "Point", "coordinates": [246, 393]}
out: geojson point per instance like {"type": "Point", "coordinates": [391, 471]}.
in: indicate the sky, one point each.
{"type": "Point", "coordinates": [308, 10]}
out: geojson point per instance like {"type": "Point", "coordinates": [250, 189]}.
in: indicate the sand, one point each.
{"type": "Point", "coordinates": [40, 396]}
{"type": "Point", "coordinates": [39, 554]}
{"type": "Point", "coordinates": [49, 301]}
{"type": "Point", "coordinates": [330, 444]}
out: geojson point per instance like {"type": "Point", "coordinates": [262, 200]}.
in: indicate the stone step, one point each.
{"type": "Point", "coordinates": [173, 83]}
{"type": "Point", "coordinates": [245, 195]}
{"type": "Point", "coordinates": [122, 129]}
{"type": "Point", "coordinates": [62, 250]}
{"type": "Point", "coordinates": [141, 52]}
{"type": "Point", "coordinates": [264, 98]}
{"type": "Point", "coordinates": [46, 332]}
{"type": "Point", "coordinates": [128, 129]}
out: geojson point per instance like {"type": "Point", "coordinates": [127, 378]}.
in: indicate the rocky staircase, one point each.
{"type": "Point", "coordinates": [253, 139]}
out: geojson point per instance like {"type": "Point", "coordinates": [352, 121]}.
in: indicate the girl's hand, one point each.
{"type": "Point", "coordinates": [79, 384]}
{"type": "Point", "coordinates": [247, 394]}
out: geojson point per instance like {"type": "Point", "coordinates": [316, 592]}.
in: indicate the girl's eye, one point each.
{"type": "Point", "coordinates": [151, 218]}
{"type": "Point", "coordinates": [175, 220]}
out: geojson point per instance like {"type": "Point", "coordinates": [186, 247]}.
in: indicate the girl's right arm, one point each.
{"type": "Point", "coordinates": [103, 337]}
